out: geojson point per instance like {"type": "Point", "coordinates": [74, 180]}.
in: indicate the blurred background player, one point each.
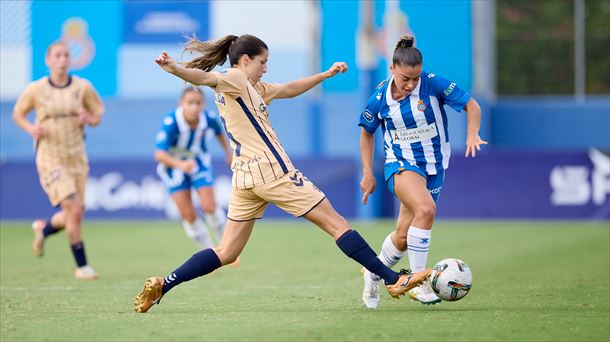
{"type": "Point", "coordinates": [185, 163]}
{"type": "Point", "coordinates": [262, 171]}
{"type": "Point", "coordinates": [64, 104]}
{"type": "Point", "coordinates": [409, 108]}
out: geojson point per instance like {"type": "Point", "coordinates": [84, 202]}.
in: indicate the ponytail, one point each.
{"type": "Point", "coordinates": [215, 53]}
{"type": "Point", "coordinates": [405, 53]}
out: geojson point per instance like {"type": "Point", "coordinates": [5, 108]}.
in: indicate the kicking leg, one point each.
{"type": "Point", "coordinates": [355, 247]}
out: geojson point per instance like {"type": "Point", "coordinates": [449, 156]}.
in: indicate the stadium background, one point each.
{"type": "Point", "coordinates": [548, 123]}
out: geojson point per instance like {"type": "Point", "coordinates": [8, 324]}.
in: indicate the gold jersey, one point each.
{"type": "Point", "coordinates": [57, 112]}
{"type": "Point", "coordinates": [258, 156]}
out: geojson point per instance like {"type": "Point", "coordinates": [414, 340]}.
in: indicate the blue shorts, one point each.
{"type": "Point", "coordinates": [434, 183]}
{"type": "Point", "coordinates": [176, 180]}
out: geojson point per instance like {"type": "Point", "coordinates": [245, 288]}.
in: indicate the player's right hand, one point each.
{"type": "Point", "coordinates": [166, 62]}
{"type": "Point", "coordinates": [188, 165]}
{"type": "Point", "coordinates": [36, 131]}
{"type": "Point", "coordinates": [367, 185]}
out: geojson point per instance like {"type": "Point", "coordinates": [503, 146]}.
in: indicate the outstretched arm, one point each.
{"type": "Point", "coordinates": [368, 183]}
{"type": "Point", "coordinates": [193, 76]}
{"type": "Point", "coordinates": [298, 87]}
{"type": "Point", "coordinates": [473, 140]}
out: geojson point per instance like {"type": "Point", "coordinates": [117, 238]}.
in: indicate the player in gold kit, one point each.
{"type": "Point", "coordinates": [262, 171]}
{"type": "Point", "coordinates": [64, 105]}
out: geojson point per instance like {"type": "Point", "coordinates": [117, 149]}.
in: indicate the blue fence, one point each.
{"type": "Point", "coordinates": [498, 184]}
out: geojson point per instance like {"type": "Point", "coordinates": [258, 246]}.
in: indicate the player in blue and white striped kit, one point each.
{"type": "Point", "coordinates": [185, 163]}
{"type": "Point", "coordinates": [409, 108]}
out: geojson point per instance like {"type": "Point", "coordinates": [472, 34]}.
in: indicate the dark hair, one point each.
{"type": "Point", "coordinates": [191, 89]}
{"type": "Point", "coordinates": [405, 53]}
{"type": "Point", "coordinates": [215, 53]}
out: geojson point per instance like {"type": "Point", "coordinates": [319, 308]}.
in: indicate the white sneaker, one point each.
{"type": "Point", "coordinates": [85, 272]}
{"type": "Point", "coordinates": [424, 294]}
{"type": "Point", "coordinates": [370, 294]}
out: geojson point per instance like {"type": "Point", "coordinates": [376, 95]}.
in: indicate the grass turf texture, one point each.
{"type": "Point", "coordinates": [532, 281]}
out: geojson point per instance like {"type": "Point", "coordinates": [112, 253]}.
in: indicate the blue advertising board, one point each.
{"type": "Point", "coordinates": [150, 22]}
{"type": "Point", "coordinates": [526, 185]}
{"type": "Point", "coordinates": [132, 190]}
{"type": "Point", "coordinates": [494, 185]}
{"type": "Point", "coordinates": [91, 31]}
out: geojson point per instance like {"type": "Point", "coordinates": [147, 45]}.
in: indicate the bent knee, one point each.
{"type": "Point", "coordinates": [426, 211]}
{"type": "Point", "coordinates": [226, 256]}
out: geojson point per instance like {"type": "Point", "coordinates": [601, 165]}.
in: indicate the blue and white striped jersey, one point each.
{"type": "Point", "coordinates": [179, 140]}
{"type": "Point", "coordinates": [415, 128]}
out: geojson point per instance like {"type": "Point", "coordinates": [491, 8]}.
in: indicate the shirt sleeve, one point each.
{"type": "Point", "coordinates": [92, 100]}
{"type": "Point", "coordinates": [268, 91]}
{"type": "Point", "coordinates": [25, 102]}
{"type": "Point", "coordinates": [167, 134]}
{"type": "Point", "coordinates": [230, 81]}
{"type": "Point", "coordinates": [214, 122]}
{"type": "Point", "coordinates": [449, 93]}
{"type": "Point", "coordinates": [369, 118]}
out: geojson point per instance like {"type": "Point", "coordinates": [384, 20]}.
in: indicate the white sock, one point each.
{"type": "Point", "coordinates": [198, 233]}
{"type": "Point", "coordinates": [215, 222]}
{"type": "Point", "coordinates": [418, 245]}
{"type": "Point", "coordinates": [390, 255]}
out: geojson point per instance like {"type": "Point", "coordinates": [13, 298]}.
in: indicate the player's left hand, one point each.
{"type": "Point", "coordinates": [473, 144]}
{"type": "Point", "coordinates": [338, 67]}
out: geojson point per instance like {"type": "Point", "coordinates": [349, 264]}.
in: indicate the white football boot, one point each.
{"type": "Point", "coordinates": [424, 294]}
{"type": "Point", "coordinates": [370, 294]}
{"type": "Point", "coordinates": [86, 273]}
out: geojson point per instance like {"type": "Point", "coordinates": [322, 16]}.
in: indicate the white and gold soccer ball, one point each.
{"type": "Point", "coordinates": [451, 279]}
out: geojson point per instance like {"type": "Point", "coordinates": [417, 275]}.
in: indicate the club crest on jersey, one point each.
{"type": "Point", "coordinates": [219, 99]}
{"type": "Point", "coordinates": [262, 108]}
{"type": "Point", "coordinates": [421, 106]}
{"type": "Point", "coordinates": [378, 97]}
{"type": "Point", "coordinates": [368, 116]}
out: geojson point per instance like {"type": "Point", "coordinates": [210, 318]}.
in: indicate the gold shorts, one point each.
{"type": "Point", "coordinates": [59, 184]}
{"type": "Point", "coordinates": [292, 192]}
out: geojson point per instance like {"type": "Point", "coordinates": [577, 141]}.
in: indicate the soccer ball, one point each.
{"type": "Point", "coordinates": [451, 279]}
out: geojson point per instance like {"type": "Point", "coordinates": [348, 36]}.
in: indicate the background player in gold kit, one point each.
{"type": "Point", "coordinates": [64, 105]}
{"type": "Point", "coordinates": [262, 171]}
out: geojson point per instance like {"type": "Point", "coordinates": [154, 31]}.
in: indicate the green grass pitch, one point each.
{"type": "Point", "coordinates": [533, 281]}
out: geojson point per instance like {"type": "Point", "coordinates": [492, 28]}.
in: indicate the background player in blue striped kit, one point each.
{"type": "Point", "coordinates": [185, 163]}
{"type": "Point", "coordinates": [409, 108]}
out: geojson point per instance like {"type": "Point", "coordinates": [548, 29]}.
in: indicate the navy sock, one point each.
{"type": "Point", "coordinates": [49, 229]}
{"type": "Point", "coordinates": [201, 263]}
{"type": "Point", "coordinates": [354, 246]}
{"type": "Point", "coordinates": [78, 249]}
